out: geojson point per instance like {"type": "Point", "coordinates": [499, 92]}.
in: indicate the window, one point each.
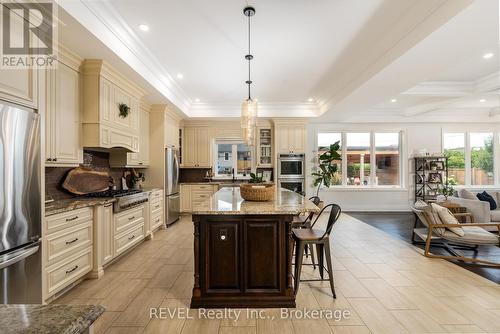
{"type": "Point", "coordinates": [358, 159]}
{"type": "Point", "coordinates": [387, 159]}
{"type": "Point", "coordinates": [232, 156]}
{"type": "Point", "coordinates": [470, 157]}
{"type": "Point", "coordinates": [454, 149]}
{"type": "Point", "coordinates": [481, 145]}
{"type": "Point", "coordinates": [324, 142]}
{"type": "Point", "coordinates": [368, 158]}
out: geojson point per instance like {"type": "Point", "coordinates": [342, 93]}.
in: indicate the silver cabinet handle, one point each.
{"type": "Point", "coordinates": [131, 218]}
{"type": "Point", "coordinates": [71, 241]}
{"type": "Point", "coordinates": [156, 207]}
{"type": "Point", "coordinates": [132, 237]}
{"type": "Point", "coordinates": [108, 205]}
{"type": "Point", "coordinates": [71, 219]}
{"type": "Point", "coordinates": [72, 269]}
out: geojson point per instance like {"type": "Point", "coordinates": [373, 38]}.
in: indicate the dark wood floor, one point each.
{"type": "Point", "coordinates": [400, 225]}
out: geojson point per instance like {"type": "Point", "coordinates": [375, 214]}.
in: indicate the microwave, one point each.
{"type": "Point", "coordinates": [291, 166]}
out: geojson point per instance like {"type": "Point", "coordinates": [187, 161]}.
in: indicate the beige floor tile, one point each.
{"type": "Point", "coordinates": [183, 286]}
{"type": "Point", "coordinates": [166, 275]}
{"type": "Point", "coordinates": [350, 330]}
{"type": "Point", "coordinates": [138, 311]}
{"type": "Point", "coordinates": [245, 319]}
{"type": "Point", "coordinates": [316, 326]}
{"type": "Point", "coordinates": [390, 275]}
{"type": "Point", "coordinates": [327, 302]}
{"type": "Point", "coordinates": [358, 268]}
{"type": "Point", "coordinates": [463, 329]}
{"type": "Point", "coordinates": [275, 326]}
{"type": "Point", "coordinates": [473, 311]}
{"type": "Point", "coordinates": [349, 285]}
{"type": "Point", "coordinates": [416, 321]}
{"type": "Point", "coordinates": [387, 295]}
{"type": "Point", "coordinates": [201, 326]}
{"type": "Point", "coordinates": [376, 317]}
{"type": "Point", "coordinates": [238, 330]}
{"type": "Point", "coordinates": [122, 294]}
{"type": "Point", "coordinates": [124, 330]}
{"type": "Point", "coordinates": [105, 321]}
{"type": "Point", "coordinates": [170, 323]}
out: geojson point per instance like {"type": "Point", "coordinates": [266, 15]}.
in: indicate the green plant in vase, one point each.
{"type": "Point", "coordinates": [448, 189]}
{"type": "Point", "coordinates": [254, 178]}
{"type": "Point", "coordinates": [327, 172]}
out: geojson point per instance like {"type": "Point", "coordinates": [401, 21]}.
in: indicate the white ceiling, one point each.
{"type": "Point", "coordinates": [347, 55]}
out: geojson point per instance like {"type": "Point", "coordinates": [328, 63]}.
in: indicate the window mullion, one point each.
{"type": "Point", "coordinates": [468, 160]}
{"type": "Point", "coordinates": [344, 158]}
{"type": "Point", "coordinates": [372, 159]}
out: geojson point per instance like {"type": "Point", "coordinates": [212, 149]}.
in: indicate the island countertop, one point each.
{"type": "Point", "coordinates": [228, 201]}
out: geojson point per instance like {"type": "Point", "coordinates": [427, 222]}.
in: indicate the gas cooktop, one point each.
{"type": "Point", "coordinates": [125, 199]}
{"type": "Point", "coordinates": [114, 193]}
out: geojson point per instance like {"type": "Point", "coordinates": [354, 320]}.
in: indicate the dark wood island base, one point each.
{"type": "Point", "coordinates": [243, 250]}
{"type": "Point", "coordinates": [242, 261]}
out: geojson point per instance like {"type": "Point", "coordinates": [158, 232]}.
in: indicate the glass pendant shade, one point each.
{"type": "Point", "coordinates": [249, 109]}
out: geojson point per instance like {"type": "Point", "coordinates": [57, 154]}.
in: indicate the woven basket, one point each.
{"type": "Point", "coordinates": [249, 193]}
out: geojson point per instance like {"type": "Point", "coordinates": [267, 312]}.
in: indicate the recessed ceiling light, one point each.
{"type": "Point", "coordinates": [394, 100]}
{"type": "Point", "coordinates": [488, 55]}
{"type": "Point", "coordinates": [482, 100]}
{"type": "Point", "coordinates": [180, 76]}
{"type": "Point", "coordinates": [310, 99]}
{"type": "Point", "coordinates": [143, 27]}
{"type": "Point", "coordinates": [197, 100]}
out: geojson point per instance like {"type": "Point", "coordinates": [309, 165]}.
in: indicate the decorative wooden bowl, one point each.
{"type": "Point", "coordinates": [258, 192]}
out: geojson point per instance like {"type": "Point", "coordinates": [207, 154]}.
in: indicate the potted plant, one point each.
{"type": "Point", "coordinates": [137, 179]}
{"type": "Point", "coordinates": [327, 167]}
{"type": "Point", "coordinates": [447, 189]}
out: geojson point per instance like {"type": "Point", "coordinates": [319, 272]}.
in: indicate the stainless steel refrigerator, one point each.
{"type": "Point", "coordinates": [172, 195]}
{"type": "Point", "coordinates": [20, 206]}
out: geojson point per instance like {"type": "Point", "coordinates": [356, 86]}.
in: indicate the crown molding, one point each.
{"type": "Point", "coordinates": [442, 88]}
{"type": "Point", "coordinates": [269, 109]}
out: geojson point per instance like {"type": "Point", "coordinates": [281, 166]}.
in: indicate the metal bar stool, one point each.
{"type": "Point", "coordinates": [311, 236]}
{"type": "Point", "coordinates": [307, 223]}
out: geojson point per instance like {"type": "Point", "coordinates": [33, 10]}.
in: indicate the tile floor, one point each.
{"type": "Point", "coordinates": [386, 285]}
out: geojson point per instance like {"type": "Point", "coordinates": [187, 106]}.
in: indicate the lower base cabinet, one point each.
{"type": "Point", "coordinates": [196, 195]}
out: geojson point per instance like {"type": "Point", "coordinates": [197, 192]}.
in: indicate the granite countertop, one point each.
{"type": "Point", "coordinates": [52, 318]}
{"type": "Point", "coordinates": [228, 201]}
{"type": "Point", "coordinates": [69, 204]}
{"type": "Point", "coordinates": [150, 189]}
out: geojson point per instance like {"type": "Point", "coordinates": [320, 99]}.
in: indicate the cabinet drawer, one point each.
{"type": "Point", "coordinates": [127, 219]}
{"type": "Point", "coordinates": [199, 195]}
{"type": "Point", "coordinates": [156, 221]}
{"type": "Point", "coordinates": [66, 272]}
{"type": "Point", "coordinates": [156, 208]}
{"type": "Point", "coordinates": [127, 240]}
{"type": "Point", "coordinates": [66, 219]}
{"type": "Point", "coordinates": [67, 242]}
{"type": "Point", "coordinates": [155, 201]}
{"type": "Point", "coordinates": [156, 194]}
{"type": "Point", "coordinates": [202, 187]}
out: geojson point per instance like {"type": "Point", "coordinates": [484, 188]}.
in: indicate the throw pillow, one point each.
{"type": "Point", "coordinates": [485, 197]}
{"type": "Point", "coordinates": [448, 218]}
{"type": "Point", "coordinates": [433, 218]}
{"type": "Point", "coordinates": [464, 193]}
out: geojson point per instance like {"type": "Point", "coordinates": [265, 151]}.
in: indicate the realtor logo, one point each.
{"type": "Point", "coordinates": [28, 35]}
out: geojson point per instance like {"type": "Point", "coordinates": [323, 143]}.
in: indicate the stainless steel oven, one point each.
{"type": "Point", "coordinates": [291, 166]}
{"type": "Point", "coordinates": [296, 185]}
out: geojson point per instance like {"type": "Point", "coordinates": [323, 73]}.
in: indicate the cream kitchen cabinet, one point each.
{"type": "Point", "coordinates": [290, 138]}
{"type": "Point", "coordinates": [196, 195]}
{"type": "Point", "coordinates": [63, 145]}
{"type": "Point", "coordinates": [67, 249]}
{"type": "Point", "coordinates": [196, 147]}
{"type": "Point", "coordinates": [103, 238]}
{"type": "Point", "coordinates": [172, 130]}
{"type": "Point", "coordinates": [104, 90]}
{"type": "Point", "coordinates": [156, 209]}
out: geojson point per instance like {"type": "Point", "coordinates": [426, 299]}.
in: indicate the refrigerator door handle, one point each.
{"type": "Point", "coordinates": [18, 257]}
{"type": "Point", "coordinates": [176, 169]}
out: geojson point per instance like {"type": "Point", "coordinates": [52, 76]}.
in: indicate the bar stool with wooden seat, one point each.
{"type": "Point", "coordinates": [299, 222]}
{"type": "Point", "coordinates": [320, 238]}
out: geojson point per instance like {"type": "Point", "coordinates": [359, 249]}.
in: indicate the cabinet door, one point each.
{"type": "Point", "coordinates": [297, 139]}
{"type": "Point", "coordinates": [171, 132]}
{"type": "Point", "coordinates": [282, 139]}
{"type": "Point", "coordinates": [66, 112]}
{"type": "Point", "coordinates": [220, 240]}
{"type": "Point", "coordinates": [263, 251]}
{"type": "Point", "coordinates": [185, 198]}
{"type": "Point", "coordinates": [189, 150]}
{"type": "Point", "coordinates": [203, 148]}
{"type": "Point", "coordinates": [144, 139]}
{"type": "Point", "coordinates": [19, 85]}
{"type": "Point", "coordinates": [107, 231]}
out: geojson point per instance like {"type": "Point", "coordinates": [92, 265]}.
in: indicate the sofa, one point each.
{"type": "Point", "coordinates": [480, 210]}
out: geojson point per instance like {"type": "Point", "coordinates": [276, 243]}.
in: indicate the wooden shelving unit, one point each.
{"type": "Point", "coordinates": [431, 173]}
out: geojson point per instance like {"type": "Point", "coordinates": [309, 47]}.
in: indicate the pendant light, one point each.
{"type": "Point", "coordinates": [249, 106]}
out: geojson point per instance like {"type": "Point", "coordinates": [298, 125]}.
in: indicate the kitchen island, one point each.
{"type": "Point", "coordinates": [243, 250]}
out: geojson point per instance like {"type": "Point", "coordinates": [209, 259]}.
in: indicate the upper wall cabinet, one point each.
{"type": "Point", "coordinates": [290, 137]}
{"type": "Point", "coordinates": [19, 86]}
{"type": "Point", "coordinates": [105, 124]}
{"type": "Point", "coordinates": [172, 130]}
{"type": "Point", "coordinates": [62, 112]}
{"type": "Point", "coordinates": [196, 149]}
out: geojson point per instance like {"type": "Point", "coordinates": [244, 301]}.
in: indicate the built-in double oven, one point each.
{"type": "Point", "coordinates": [291, 168]}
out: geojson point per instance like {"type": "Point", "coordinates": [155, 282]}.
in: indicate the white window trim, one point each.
{"type": "Point", "coordinates": [468, 157]}
{"type": "Point", "coordinates": [372, 186]}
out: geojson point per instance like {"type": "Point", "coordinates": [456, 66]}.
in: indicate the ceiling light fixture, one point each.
{"type": "Point", "coordinates": [488, 55]}
{"type": "Point", "coordinates": [180, 76]}
{"type": "Point", "coordinates": [197, 100]}
{"type": "Point", "coordinates": [249, 106]}
{"type": "Point", "coordinates": [143, 27]}
{"type": "Point", "coordinates": [394, 100]}
{"type": "Point", "coordinates": [310, 99]}
{"type": "Point", "coordinates": [482, 100]}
